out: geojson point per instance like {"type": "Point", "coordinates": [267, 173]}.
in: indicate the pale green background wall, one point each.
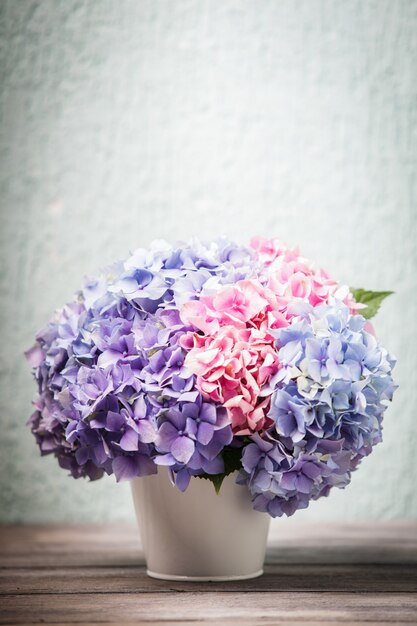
{"type": "Point", "coordinates": [125, 120]}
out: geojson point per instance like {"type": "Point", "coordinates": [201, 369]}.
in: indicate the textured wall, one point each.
{"type": "Point", "coordinates": [126, 120]}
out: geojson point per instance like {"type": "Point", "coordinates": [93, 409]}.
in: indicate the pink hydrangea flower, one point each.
{"type": "Point", "coordinates": [289, 275]}
{"type": "Point", "coordinates": [231, 367]}
{"type": "Point", "coordinates": [267, 250]}
{"type": "Point", "coordinates": [233, 356]}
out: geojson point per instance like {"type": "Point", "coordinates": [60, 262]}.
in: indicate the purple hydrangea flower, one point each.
{"type": "Point", "coordinates": [109, 365]}
{"type": "Point", "coordinates": [191, 436]}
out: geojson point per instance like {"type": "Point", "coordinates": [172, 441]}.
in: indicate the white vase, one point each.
{"type": "Point", "coordinates": [199, 535]}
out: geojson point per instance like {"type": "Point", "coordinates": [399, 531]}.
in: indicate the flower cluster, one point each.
{"type": "Point", "coordinates": [184, 355]}
{"type": "Point", "coordinates": [326, 409]}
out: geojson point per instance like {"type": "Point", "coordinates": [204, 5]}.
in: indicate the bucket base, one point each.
{"type": "Point", "coordinates": [197, 579]}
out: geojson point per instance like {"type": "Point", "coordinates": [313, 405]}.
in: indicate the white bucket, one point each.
{"type": "Point", "coordinates": [199, 535]}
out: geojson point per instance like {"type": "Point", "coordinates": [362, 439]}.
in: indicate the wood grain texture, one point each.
{"type": "Point", "coordinates": [320, 574]}
{"type": "Point", "coordinates": [211, 607]}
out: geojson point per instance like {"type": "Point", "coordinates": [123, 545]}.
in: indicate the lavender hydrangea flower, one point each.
{"type": "Point", "coordinates": [109, 364]}
{"type": "Point", "coordinates": [171, 275]}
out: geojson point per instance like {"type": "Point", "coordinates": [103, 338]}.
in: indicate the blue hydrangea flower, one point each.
{"type": "Point", "coordinates": [326, 408]}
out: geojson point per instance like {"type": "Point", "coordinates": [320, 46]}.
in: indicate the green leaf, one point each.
{"type": "Point", "coordinates": [216, 479]}
{"type": "Point", "coordinates": [372, 299]}
{"type": "Point", "coordinates": [232, 462]}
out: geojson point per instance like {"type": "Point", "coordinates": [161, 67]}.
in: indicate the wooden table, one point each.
{"type": "Point", "coordinates": [320, 574]}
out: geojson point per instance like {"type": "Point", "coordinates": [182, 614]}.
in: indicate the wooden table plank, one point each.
{"type": "Point", "coordinates": [357, 578]}
{"type": "Point", "coordinates": [320, 574]}
{"type": "Point", "coordinates": [228, 622]}
{"type": "Point", "coordinates": [215, 607]}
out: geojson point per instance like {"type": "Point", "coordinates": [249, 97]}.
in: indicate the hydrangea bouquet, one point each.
{"type": "Point", "coordinates": [210, 358]}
